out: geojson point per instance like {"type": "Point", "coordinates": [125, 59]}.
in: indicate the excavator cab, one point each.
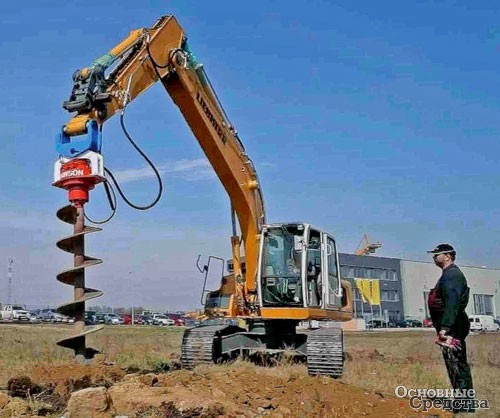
{"type": "Point", "coordinates": [298, 268]}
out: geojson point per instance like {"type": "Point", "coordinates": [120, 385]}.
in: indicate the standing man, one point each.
{"type": "Point", "coordinates": [447, 303]}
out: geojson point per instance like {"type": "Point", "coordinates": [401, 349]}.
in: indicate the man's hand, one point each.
{"type": "Point", "coordinates": [447, 341]}
{"type": "Point", "coordinates": [443, 334]}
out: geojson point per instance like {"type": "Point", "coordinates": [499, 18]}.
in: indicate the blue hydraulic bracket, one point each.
{"type": "Point", "coordinates": [71, 146]}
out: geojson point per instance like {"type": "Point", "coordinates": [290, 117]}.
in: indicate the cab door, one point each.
{"type": "Point", "coordinates": [333, 289]}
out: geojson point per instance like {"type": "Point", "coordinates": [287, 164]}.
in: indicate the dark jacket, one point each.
{"type": "Point", "coordinates": [447, 303]}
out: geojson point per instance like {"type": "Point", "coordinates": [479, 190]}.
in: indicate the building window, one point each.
{"type": "Point", "coordinates": [359, 272]}
{"type": "Point", "coordinates": [389, 295]}
{"type": "Point", "coordinates": [394, 316]}
{"type": "Point", "coordinates": [346, 272]}
{"type": "Point", "coordinates": [483, 304]}
{"type": "Point", "coordinates": [389, 275]}
{"type": "Point", "coordinates": [368, 273]}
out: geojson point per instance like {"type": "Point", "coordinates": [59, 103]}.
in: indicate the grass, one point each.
{"type": "Point", "coordinates": [377, 361]}
{"type": "Point", "coordinates": [27, 346]}
{"type": "Point", "coordinates": [383, 361]}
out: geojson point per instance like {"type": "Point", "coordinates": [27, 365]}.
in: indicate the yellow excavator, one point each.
{"type": "Point", "coordinates": [279, 275]}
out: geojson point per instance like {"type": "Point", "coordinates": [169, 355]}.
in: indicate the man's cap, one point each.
{"type": "Point", "coordinates": [442, 249]}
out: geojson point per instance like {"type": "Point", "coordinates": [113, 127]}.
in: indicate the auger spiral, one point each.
{"type": "Point", "coordinates": [75, 276]}
{"type": "Point", "coordinates": [77, 175]}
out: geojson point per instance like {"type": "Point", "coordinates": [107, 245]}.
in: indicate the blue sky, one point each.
{"type": "Point", "coordinates": [367, 117]}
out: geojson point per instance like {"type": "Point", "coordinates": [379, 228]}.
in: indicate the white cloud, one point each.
{"type": "Point", "coordinates": [190, 170]}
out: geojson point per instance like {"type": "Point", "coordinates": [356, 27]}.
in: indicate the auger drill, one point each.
{"type": "Point", "coordinates": [78, 170]}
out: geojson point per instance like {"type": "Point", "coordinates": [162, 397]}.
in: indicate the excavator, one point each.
{"type": "Point", "coordinates": [280, 274]}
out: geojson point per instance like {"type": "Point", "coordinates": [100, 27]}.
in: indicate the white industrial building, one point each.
{"type": "Point", "coordinates": [418, 278]}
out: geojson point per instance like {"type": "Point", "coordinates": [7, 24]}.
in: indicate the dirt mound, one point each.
{"type": "Point", "coordinates": [242, 389]}
{"type": "Point", "coordinates": [237, 390]}
{"type": "Point", "coordinates": [65, 379]}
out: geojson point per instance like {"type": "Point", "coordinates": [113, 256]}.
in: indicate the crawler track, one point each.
{"type": "Point", "coordinates": [204, 344]}
{"type": "Point", "coordinates": [198, 345]}
{"type": "Point", "coordinates": [325, 352]}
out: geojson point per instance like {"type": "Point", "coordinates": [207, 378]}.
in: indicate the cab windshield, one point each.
{"type": "Point", "coordinates": [282, 265]}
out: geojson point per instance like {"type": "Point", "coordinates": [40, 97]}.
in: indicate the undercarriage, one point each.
{"type": "Point", "coordinates": [322, 349]}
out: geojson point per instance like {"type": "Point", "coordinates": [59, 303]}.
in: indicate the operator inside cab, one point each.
{"type": "Point", "coordinates": [314, 285]}
{"type": "Point", "coordinates": [282, 265]}
{"type": "Point", "coordinates": [291, 262]}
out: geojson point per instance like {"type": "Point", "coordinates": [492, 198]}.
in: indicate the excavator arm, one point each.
{"type": "Point", "coordinates": [161, 53]}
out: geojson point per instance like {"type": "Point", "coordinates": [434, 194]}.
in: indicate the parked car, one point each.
{"type": "Point", "coordinates": [51, 315]}
{"type": "Point", "coordinates": [127, 319]}
{"type": "Point", "coordinates": [113, 319]}
{"type": "Point", "coordinates": [33, 317]}
{"type": "Point", "coordinates": [100, 318]}
{"type": "Point", "coordinates": [139, 320]}
{"type": "Point", "coordinates": [178, 319]}
{"type": "Point", "coordinates": [14, 313]}
{"type": "Point", "coordinates": [162, 320]}
{"type": "Point", "coordinates": [413, 323]}
{"type": "Point", "coordinates": [90, 318]}
{"type": "Point", "coordinates": [375, 323]}
{"type": "Point", "coordinates": [483, 323]}
{"type": "Point", "coordinates": [180, 322]}
{"type": "Point", "coordinates": [45, 314]}
{"type": "Point", "coordinates": [397, 323]}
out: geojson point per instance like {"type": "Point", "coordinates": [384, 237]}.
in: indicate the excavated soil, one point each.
{"type": "Point", "coordinates": [240, 389]}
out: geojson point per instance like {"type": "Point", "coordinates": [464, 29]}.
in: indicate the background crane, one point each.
{"type": "Point", "coordinates": [365, 247]}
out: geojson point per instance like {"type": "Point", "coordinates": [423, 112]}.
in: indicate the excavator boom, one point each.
{"type": "Point", "coordinates": [161, 53]}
